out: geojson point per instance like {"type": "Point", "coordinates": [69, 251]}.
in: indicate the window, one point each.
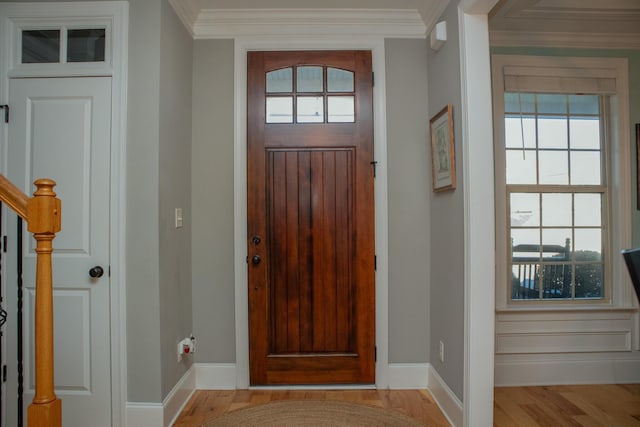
{"type": "Point", "coordinates": [322, 95]}
{"type": "Point", "coordinates": [555, 191]}
{"type": "Point", "coordinates": [562, 180]}
{"type": "Point", "coordinates": [63, 45]}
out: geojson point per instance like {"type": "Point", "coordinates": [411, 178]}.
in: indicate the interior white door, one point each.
{"type": "Point", "coordinates": [60, 129]}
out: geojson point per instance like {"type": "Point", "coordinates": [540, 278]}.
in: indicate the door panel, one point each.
{"type": "Point", "coordinates": [310, 202]}
{"type": "Point", "coordinates": [60, 129]}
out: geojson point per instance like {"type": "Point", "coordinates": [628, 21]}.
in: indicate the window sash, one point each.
{"type": "Point", "coordinates": [538, 263]}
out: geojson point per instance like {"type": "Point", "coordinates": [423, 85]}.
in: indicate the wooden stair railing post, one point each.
{"type": "Point", "coordinates": [44, 221]}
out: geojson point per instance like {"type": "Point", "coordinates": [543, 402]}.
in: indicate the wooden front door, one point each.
{"type": "Point", "coordinates": [310, 214]}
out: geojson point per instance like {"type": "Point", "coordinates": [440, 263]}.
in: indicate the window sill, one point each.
{"type": "Point", "coordinates": [567, 309]}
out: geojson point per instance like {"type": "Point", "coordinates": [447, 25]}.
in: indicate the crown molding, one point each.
{"type": "Point", "coordinates": [564, 40]}
{"type": "Point", "coordinates": [230, 23]}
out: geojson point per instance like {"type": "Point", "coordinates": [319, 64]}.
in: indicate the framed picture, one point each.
{"type": "Point", "coordinates": [443, 156]}
{"type": "Point", "coordinates": [638, 166]}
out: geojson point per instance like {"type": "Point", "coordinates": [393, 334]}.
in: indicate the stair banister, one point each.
{"type": "Point", "coordinates": [42, 213]}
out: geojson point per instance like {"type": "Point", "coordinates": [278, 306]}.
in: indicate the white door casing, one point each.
{"type": "Point", "coordinates": [60, 129]}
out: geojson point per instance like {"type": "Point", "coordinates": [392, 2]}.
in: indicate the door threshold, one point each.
{"type": "Point", "coordinates": [314, 387]}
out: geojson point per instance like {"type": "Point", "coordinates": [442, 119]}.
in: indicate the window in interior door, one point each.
{"type": "Point", "coordinates": [63, 45]}
{"type": "Point", "coordinates": [307, 94]}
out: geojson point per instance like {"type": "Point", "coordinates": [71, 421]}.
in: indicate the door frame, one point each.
{"type": "Point", "coordinates": [376, 45]}
{"type": "Point", "coordinates": [115, 14]}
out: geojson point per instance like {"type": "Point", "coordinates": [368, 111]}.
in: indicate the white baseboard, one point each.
{"type": "Point", "coordinates": [560, 372]}
{"type": "Point", "coordinates": [222, 376]}
{"type": "Point", "coordinates": [144, 414]}
{"type": "Point", "coordinates": [215, 376]}
{"type": "Point", "coordinates": [408, 376]}
{"type": "Point", "coordinates": [448, 402]}
{"type": "Point", "coordinates": [179, 396]}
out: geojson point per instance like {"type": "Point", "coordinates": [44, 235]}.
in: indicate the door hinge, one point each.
{"type": "Point", "coordinates": [4, 373]}
{"type": "Point", "coordinates": [375, 353]}
{"type": "Point", "coordinates": [375, 166]}
{"type": "Point", "coordinates": [375, 262]}
{"type": "Point", "coordinates": [109, 271]}
{"type": "Point", "coordinates": [4, 244]}
{"type": "Point", "coordinates": [373, 78]}
{"type": "Point", "coordinates": [5, 107]}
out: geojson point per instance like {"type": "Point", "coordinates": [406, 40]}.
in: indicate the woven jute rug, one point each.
{"type": "Point", "coordinates": [313, 413]}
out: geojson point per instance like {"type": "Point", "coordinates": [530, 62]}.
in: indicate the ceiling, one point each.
{"type": "Point", "coordinates": [305, 4]}
{"type": "Point", "coordinates": [567, 16]}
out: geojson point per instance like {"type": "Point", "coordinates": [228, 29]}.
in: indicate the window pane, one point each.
{"type": "Point", "coordinates": [310, 79]}
{"type": "Point", "coordinates": [588, 244]}
{"type": "Point", "coordinates": [525, 209]}
{"type": "Point", "coordinates": [556, 281]}
{"type": "Point", "coordinates": [585, 168]}
{"type": "Point", "coordinates": [310, 109]}
{"type": "Point", "coordinates": [584, 104]}
{"type": "Point", "coordinates": [279, 109]}
{"type": "Point", "coordinates": [587, 210]}
{"type": "Point", "coordinates": [40, 46]}
{"type": "Point", "coordinates": [525, 245]}
{"type": "Point", "coordinates": [552, 104]}
{"type": "Point", "coordinates": [521, 167]}
{"type": "Point", "coordinates": [514, 129]}
{"type": "Point", "coordinates": [584, 132]}
{"type": "Point", "coordinates": [589, 281]}
{"type": "Point", "coordinates": [556, 244]}
{"type": "Point", "coordinates": [280, 81]}
{"type": "Point", "coordinates": [339, 80]}
{"type": "Point", "coordinates": [86, 45]}
{"type": "Point", "coordinates": [525, 103]}
{"type": "Point", "coordinates": [341, 109]}
{"type": "Point", "coordinates": [553, 167]}
{"type": "Point", "coordinates": [552, 132]}
{"type": "Point", "coordinates": [525, 283]}
{"type": "Point", "coordinates": [556, 210]}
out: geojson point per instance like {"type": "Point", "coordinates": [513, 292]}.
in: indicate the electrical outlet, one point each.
{"type": "Point", "coordinates": [441, 352]}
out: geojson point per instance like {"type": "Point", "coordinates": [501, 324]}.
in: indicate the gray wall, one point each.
{"type": "Point", "coordinates": [143, 299]}
{"type": "Point", "coordinates": [447, 219]}
{"type": "Point", "coordinates": [409, 190]}
{"type": "Point", "coordinates": [176, 71]}
{"type": "Point", "coordinates": [158, 180]}
{"type": "Point", "coordinates": [212, 204]}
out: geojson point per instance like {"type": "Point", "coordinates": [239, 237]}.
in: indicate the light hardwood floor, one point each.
{"type": "Point", "coordinates": [553, 406]}
{"type": "Point", "coordinates": [580, 405]}
{"type": "Point", "coordinates": [206, 404]}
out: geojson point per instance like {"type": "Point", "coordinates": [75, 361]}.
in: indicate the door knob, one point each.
{"type": "Point", "coordinates": [96, 272]}
{"type": "Point", "coordinates": [255, 260]}
{"type": "Point", "coordinates": [256, 240]}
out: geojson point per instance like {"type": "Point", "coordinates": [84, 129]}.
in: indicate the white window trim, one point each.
{"type": "Point", "coordinates": [560, 68]}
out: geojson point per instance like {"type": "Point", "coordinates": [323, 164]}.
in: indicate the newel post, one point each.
{"type": "Point", "coordinates": [44, 222]}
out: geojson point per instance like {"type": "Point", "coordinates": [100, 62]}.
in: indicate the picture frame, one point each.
{"type": "Point", "coordinates": [443, 156]}
{"type": "Point", "coordinates": [638, 166]}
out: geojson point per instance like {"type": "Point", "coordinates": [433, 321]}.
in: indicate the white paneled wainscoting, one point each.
{"type": "Point", "coordinates": [555, 347]}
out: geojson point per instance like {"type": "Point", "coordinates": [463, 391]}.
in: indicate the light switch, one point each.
{"type": "Point", "coordinates": [178, 217]}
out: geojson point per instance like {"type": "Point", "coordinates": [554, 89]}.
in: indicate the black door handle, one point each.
{"type": "Point", "coordinates": [96, 272]}
{"type": "Point", "coordinates": [255, 260]}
